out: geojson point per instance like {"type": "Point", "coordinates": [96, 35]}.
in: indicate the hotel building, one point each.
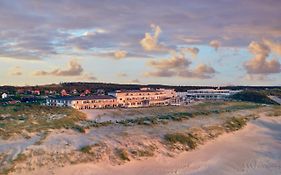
{"type": "Point", "coordinates": [144, 97]}
{"type": "Point", "coordinates": [209, 94]}
{"type": "Point", "coordinates": [121, 98]}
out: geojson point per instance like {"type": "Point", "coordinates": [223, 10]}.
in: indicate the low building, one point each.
{"type": "Point", "coordinates": [84, 102]}
{"type": "Point", "coordinates": [4, 95]}
{"type": "Point", "coordinates": [35, 92]}
{"type": "Point", "coordinates": [20, 91]}
{"type": "Point", "coordinates": [74, 91]}
{"type": "Point", "coordinates": [101, 92]}
{"type": "Point", "coordinates": [144, 97]}
{"type": "Point", "coordinates": [87, 92]}
{"type": "Point", "coordinates": [210, 94]}
{"type": "Point", "coordinates": [64, 93]}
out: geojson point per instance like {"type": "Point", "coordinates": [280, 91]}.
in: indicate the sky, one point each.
{"type": "Point", "coordinates": [179, 42]}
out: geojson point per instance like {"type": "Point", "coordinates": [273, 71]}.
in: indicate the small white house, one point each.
{"type": "Point", "coordinates": [4, 95]}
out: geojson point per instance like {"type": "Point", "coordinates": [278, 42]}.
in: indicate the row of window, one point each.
{"type": "Point", "coordinates": [58, 101]}
{"type": "Point", "coordinates": [206, 96]}
{"type": "Point", "coordinates": [95, 101]}
{"type": "Point", "coordinates": [142, 98]}
{"type": "Point", "coordinates": [83, 102]}
{"type": "Point", "coordinates": [95, 106]}
{"type": "Point", "coordinates": [210, 92]}
{"type": "Point", "coordinates": [135, 94]}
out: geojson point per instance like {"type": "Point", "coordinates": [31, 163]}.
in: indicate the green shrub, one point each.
{"type": "Point", "coordinates": [253, 96]}
{"type": "Point", "coordinates": [235, 123]}
{"type": "Point", "coordinates": [20, 158]}
{"type": "Point", "coordinates": [143, 153]}
{"type": "Point", "coordinates": [122, 154]}
{"type": "Point", "coordinates": [181, 138]}
{"type": "Point", "coordinates": [86, 149]}
{"type": "Point", "coordinates": [79, 128]}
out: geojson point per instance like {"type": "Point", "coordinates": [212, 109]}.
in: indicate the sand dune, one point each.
{"type": "Point", "coordinates": [253, 150]}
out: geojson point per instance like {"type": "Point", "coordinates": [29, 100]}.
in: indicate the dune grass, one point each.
{"type": "Point", "coordinates": [235, 123]}
{"type": "Point", "coordinates": [184, 139]}
{"type": "Point", "coordinates": [275, 111]}
{"type": "Point", "coordinates": [197, 110]}
{"type": "Point", "coordinates": [193, 139]}
{"type": "Point", "coordinates": [122, 154]}
{"type": "Point", "coordinates": [86, 149]}
{"type": "Point", "coordinates": [17, 119]}
{"type": "Point", "coordinates": [9, 168]}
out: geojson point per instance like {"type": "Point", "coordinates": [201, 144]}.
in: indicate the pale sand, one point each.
{"type": "Point", "coordinates": [254, 150]}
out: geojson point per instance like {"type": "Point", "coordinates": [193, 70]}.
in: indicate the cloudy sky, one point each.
{"type": "Point", "coordinates": [179, 42]}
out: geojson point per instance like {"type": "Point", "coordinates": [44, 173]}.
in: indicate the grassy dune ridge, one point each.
{"type": "Point", "coordinates": [192, 139]}
{"type": "Point", "coordinates": [24, 118]}
{"type": "Point", "coordinates": [197, 110]}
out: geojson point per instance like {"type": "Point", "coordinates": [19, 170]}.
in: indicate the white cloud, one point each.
{"type": "Point", "coordinates": [274, 46]}
{"type": "Point", "coordinates": [216, 44]}
{"type": "Point", "coordinates": [150, 42]}
{"type": "Point", "coordinates": [119, 54]}
{"type": "Point", "coordinates": [178, 65]}
{"type": "Point", "coordinates": [193, 51]}
{"type": "Point", "coordinates": [74, 69]}
{"type": "Point", "coordinates": [16, 71]}
{"type": "Point", "coordinates": [259, 64]}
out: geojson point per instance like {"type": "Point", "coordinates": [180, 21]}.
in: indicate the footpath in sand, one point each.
{"type": "Point", "coordinates": [254, 150]}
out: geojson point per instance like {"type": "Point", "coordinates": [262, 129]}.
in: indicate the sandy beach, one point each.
{"type": "Point", "coordinates": [254, 150]}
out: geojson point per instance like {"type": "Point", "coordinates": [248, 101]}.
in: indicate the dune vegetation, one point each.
{"type": "Point", "coordinates": [23, 119]}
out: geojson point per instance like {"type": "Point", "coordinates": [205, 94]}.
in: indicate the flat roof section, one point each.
{"type": "Point", "coordinates": [92, 97]}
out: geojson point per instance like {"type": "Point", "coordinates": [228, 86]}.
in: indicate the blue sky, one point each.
{"type": "Point", "coordinates": [196, 42]}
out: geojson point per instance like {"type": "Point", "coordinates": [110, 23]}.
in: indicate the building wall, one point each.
{"type": "Point", "coordinates": [56, 102]}
{"type": "Point", "coordinates": [210, 94]}
{"type": "Point", "coordinates": [83, 104]}
{"type": "Point", "coordinates": [4, 95]}
{"type": "Point", "coordinates": [94, 104]}
{"type": "Point", "coordinates": [143, 98]}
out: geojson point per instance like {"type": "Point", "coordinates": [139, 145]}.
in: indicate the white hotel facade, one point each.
{"type": "Point", "coordinates": [208, 94]}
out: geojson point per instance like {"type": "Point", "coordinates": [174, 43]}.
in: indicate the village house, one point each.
{"type": "Point", "coordinates": [35, 92]}
{"type": "Point", "coordinates": [46, 92]}
{"type": "Point", "coordinates": [101, 92]}
{"type": "Point", "coordinates": [74, 91]}
{"type": "Point", "coordinates": [63, 93]}
{"type": "Point", "coordinates": [84, 102]}
{"type": "Point", "coordinates": [87, 92]}
{"type": "Point", "coordinates": [53, 92]}
{"type": "Point", "coordinates": [20, 91]}
{"type": "Point", "coordinates": [4, 95]}
{"type": "Point", "coordinates": [82, 94]}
